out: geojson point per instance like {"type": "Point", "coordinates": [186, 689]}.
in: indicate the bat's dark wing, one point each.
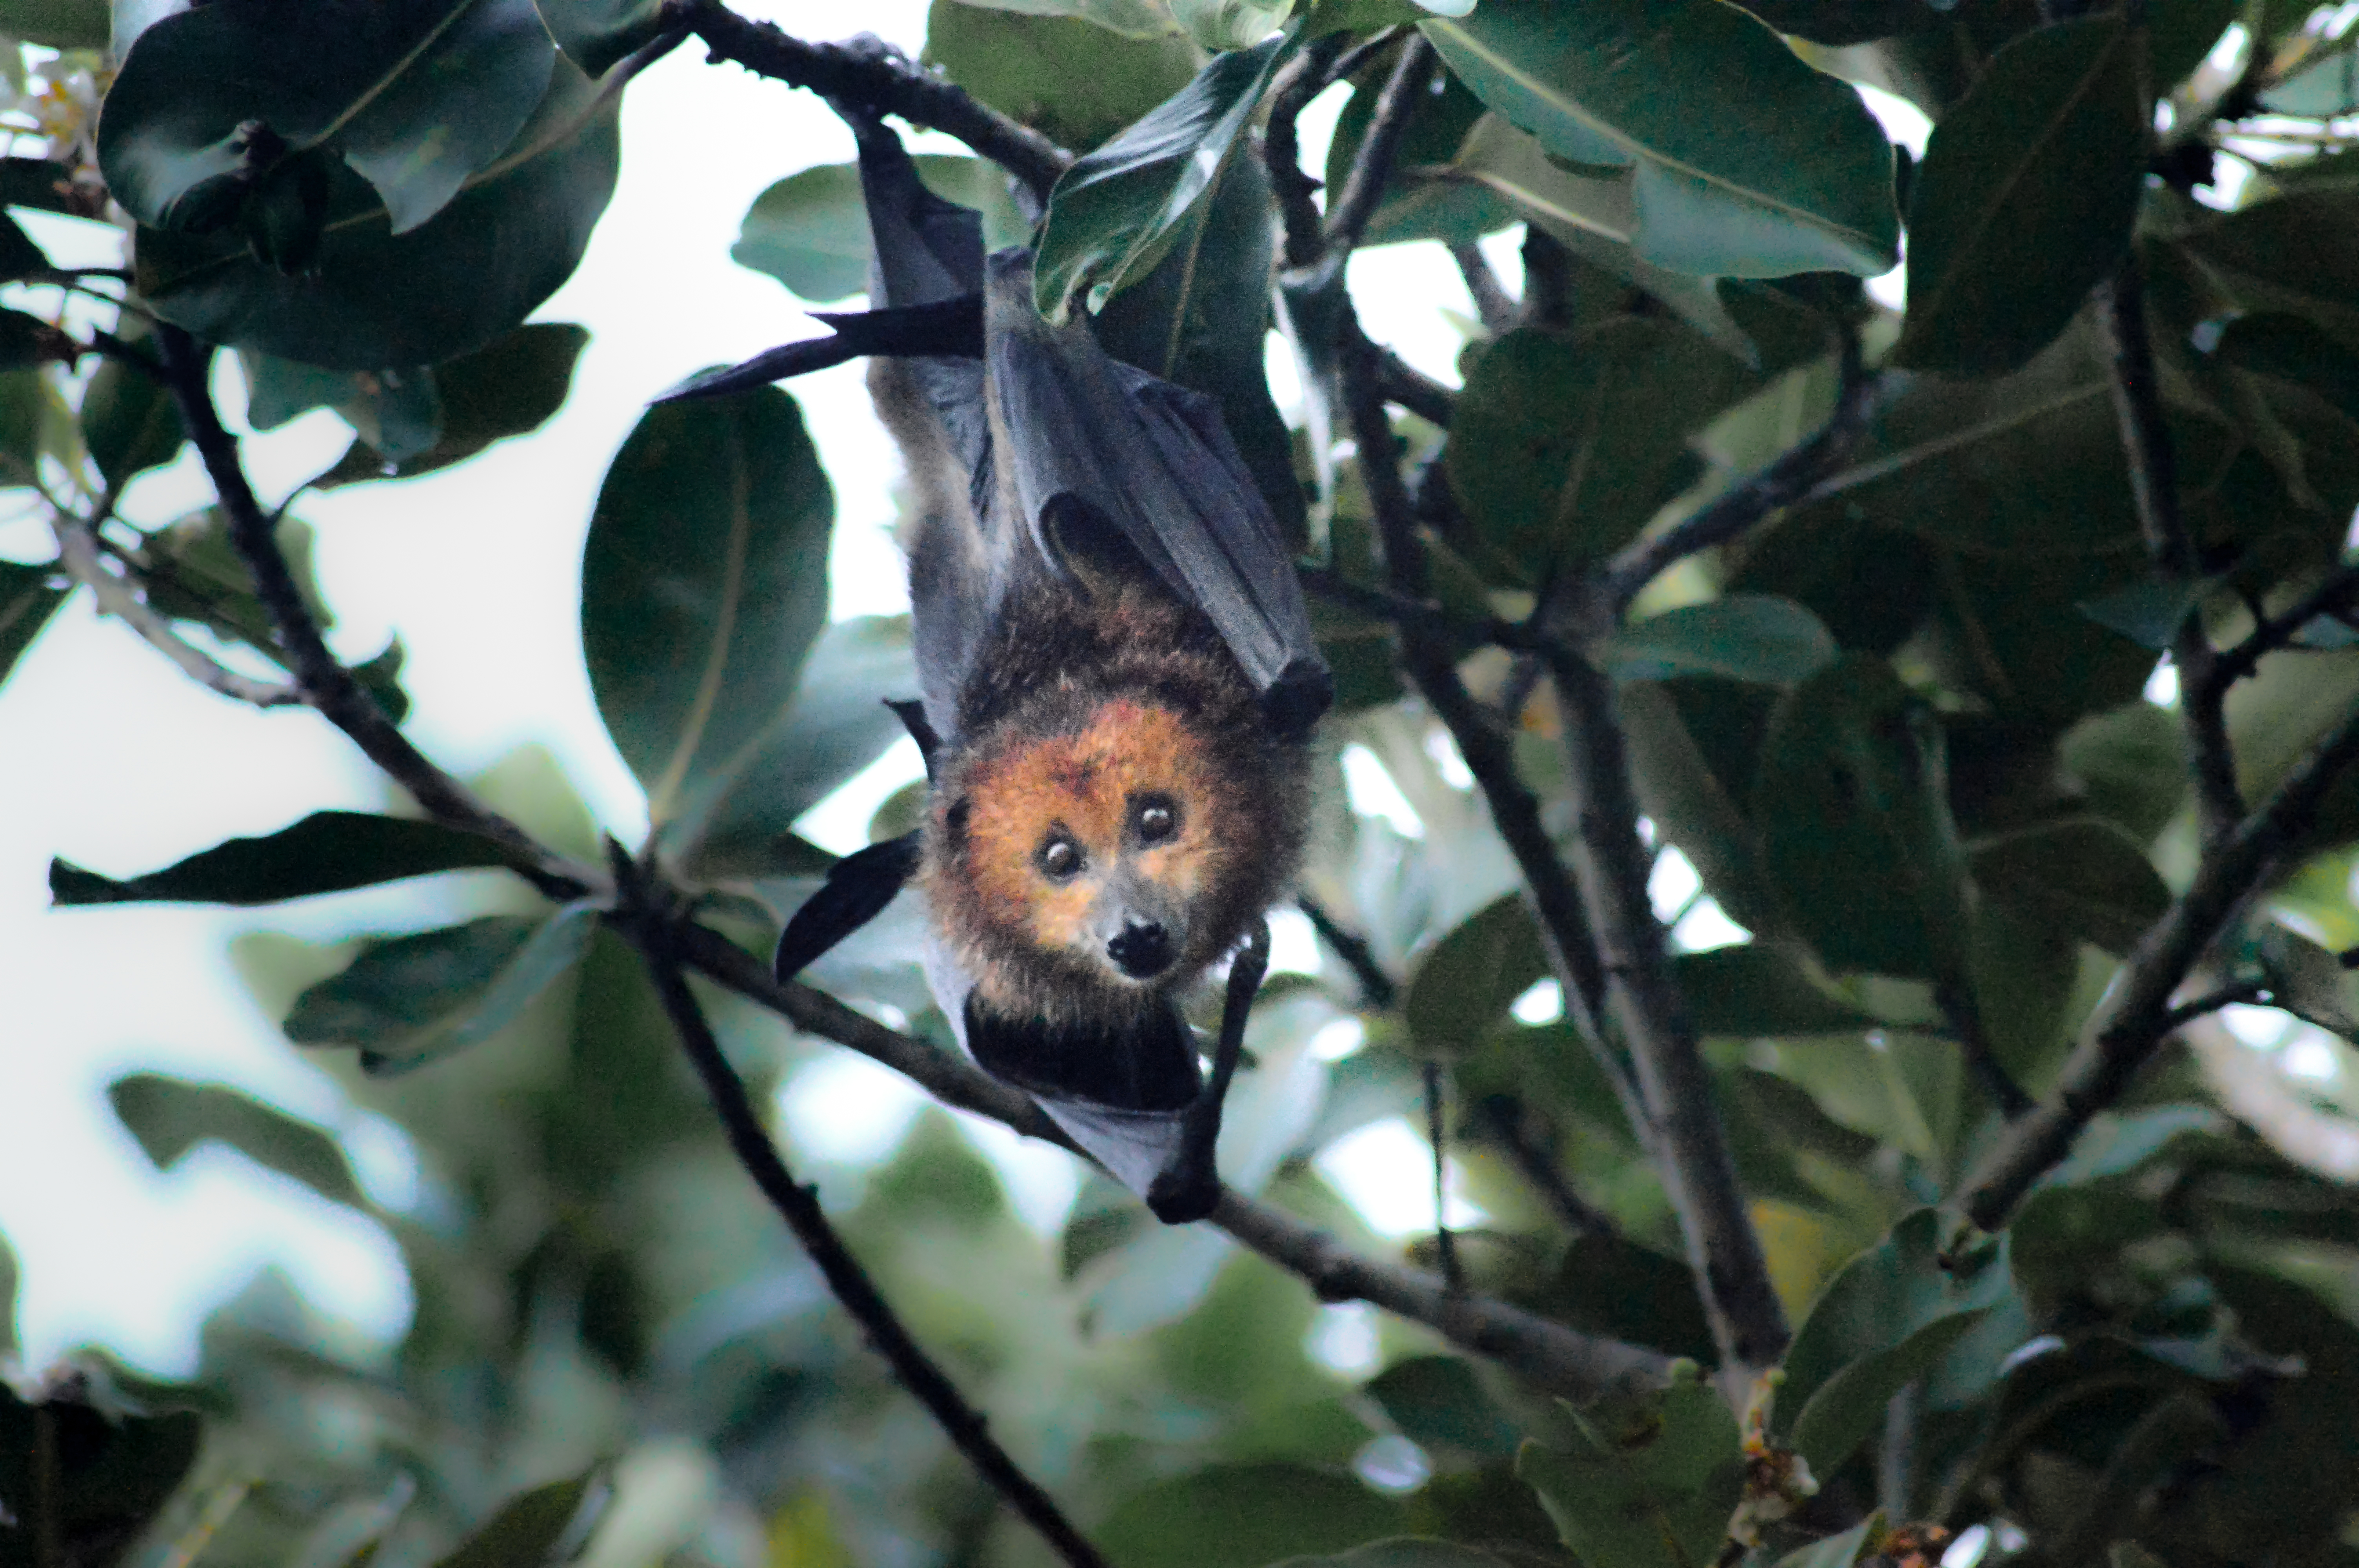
{"type": "Point", "coordinates": [1085, 444]}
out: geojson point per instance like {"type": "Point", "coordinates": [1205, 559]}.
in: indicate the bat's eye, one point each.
{"type": "Point", "coordinates": [1156, 819]}
{"type": "Point", "coordinates": [1059, 858]}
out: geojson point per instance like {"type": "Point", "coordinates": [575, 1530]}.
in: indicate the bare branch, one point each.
{"type": "Point", "coordinates": [1504, 1116]}
{"type": "Point", "coordinates": [1377, 987]}
{"type": "Point", "coordinates": [1437, 1137]}
{"type": "Point", "coordinates": [1404, 383]}
{"type": "Point", "coordinates": [1493, 303]}
{"type": "Point", "coordinates": [1348, 214]}
{"type": "Point", "coordinates": [1299, 81]}
{"type": "Point", "coordinates": [875, 74]}
{"type": "Point", "coordinates": [324, 683]}
{"type": "Point", "coordinates": [2154, 487]}
{"type": "Point", "coordinates": [2333, 594]}
{"type": "Point", "coordinates": [1787, 479]}
{"type": "Point", "coordinates": [78, 552]}
{"type": "Point", "coordinates": [1643, 1000]}
{"type": "Point", "coordinates": [2137, 1015]}
{"type": "Point", "coordinates": [651, 932]}
{"type": "Point", "coordinates": [1547, 279]}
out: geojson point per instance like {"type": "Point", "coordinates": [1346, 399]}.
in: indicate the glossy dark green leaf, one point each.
{"type": "Point", "coordinates": [1882, 1323]}
{"type": "Point", "coordinates": [529, 1526]}
{"type": "Point", "coordinates": [409, 999]}
{"type": "Point", "coordinates": [328, 851]}
{"type": "Point", "coordinates": [1419, 202]}
{"type": "Point", "coordinates": [2131, 765]}
{"type": "Point", "coordinates": [510, 387]}
{"type": "Point", "coordinates": [1745, 162]}
{"type": "Point", "coordinates": [1761, 991]}
{"type": "Point", "coordinates": [1842, 1551]}
{"type": "Point", "coordinates": [59, 23]}
{"type": "Point", "coordinates": [2149, 612]}
{"type": "Point", "coordinates": [1075, 82]}
{"type": "Point", "coordinates": [1229, 24]}
{"type": "Point", "coordinates": [19, 256]}
{"type": "Point", "coordinates": [1129, 18]}
{"type": "Point", "coordinates": [1200, 318]}
{"type": "Point", "coordinates": [1403, 1553]}
{"type": "Point", "coordinates": [1608, 1285]}
{"type": "Point", "coordinates": [832, 724]}
{"type": "Point", "coordinates": [1117, 211]}
{"type": "Point", "coordinates": [1440, 1404]}
{"type": "Point", "coordinates": [196, 574]}
{"type": "Point", "coordinates": [171, 1116]}
{"type": "Point", "coordinates": [128, 423]}
{"type": "Point", "coordinates": [1561, 447]}
{"type": "Point", "coordinates": [1648, 1487]}
{"type": "Point", "coordinates": [1744, 636]}
{"type": "Point", "coordinates": [2025, 197]}
{"type": "Point", "coordinates": [703, 585]}
{"type": "Point", "coordinates": [1464, 983]}
{"type": "Point", "coordinates": [1842, 21]}
{"type": "Point", "coordinates": [1853, 806]}
{"type": "Point", "coordinates": [2310, 981]}
{"type": "Point", "coordinates": [594, 34]}
{"type": "Point", "coordinates": [415, 100]}
{"type": "Point", "coordinates": [2323, 92]}
{"type": "Point", "coordinates": [395, 411]}
{"type": "Point", "coordinates": [381, 678]}
{"type": "Point", "coordinates": [26, 341]}
{"type": "Point", "coordinates": [1244, 1516]}
{"type": "Point", "coordinates": [28, 597]}
{"type": "Point", "coordinates": [2290, 348]}
{"type": "Point", "coordinates": [450, 286]}
{"type": "Point", "coordinates": [810, 231]}
{"type": "Point", "coordinates": [2082, 874]}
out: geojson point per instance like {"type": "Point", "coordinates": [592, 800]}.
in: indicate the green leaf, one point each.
{"type": "Point", "coordinates": [1244, 1516]}
{"type": "Point", "coordinates": [1562, 447]}
{"type": "Point", "coordinates": [2024, 200]}
{"type": "Point", "coordinates": [1115, 213]}
{"type": "Point", "coordinates": [1852, 804]}
{"type": "Point", "coordinates": [2180, 33]}
{"type": "Point", "coordinates": [328, 851]}
{"type": "Point", "coordinates": [1902, 1089]}
{"type": "Point", "coordinates": [1745, 162]}
{"type": "Point", "coordinates": [2322, 91]}
{"type": "Point", "coordinates": [171, 1116]}
{"type": "Point", "coordinates": [2131, 765]}
{"type": "Point", "coordinates": [1229, 24]}
{"type": "Point", "coordinates": [1882, 1323]}
{"type": "Point", "coordinates": [510, 387]}
{"type": "Point", "coordinates": [1762, 991]}
{"type": "Point", "coordinates": [409, 999]}
{"type": "Point", "coordinates": [1075, 82]}
{"type": "Point", "coordinates": [395, 411]}
{"type": "Point", "coordinates": [28, 342]}
{"type": "Point", "coordinates": [1841, 21]}
{"type": "Point", "coordinates": [92, 1482]}
{"type": "Point", "coordinates": [27, 599]}
{"type": "Point", "coordinates": [59, 23]}
{"type": "Point", "coordinates": [2083, 875]}
{"type": "Point", "coordinates": [1464, 983]}
{"type": "Point", "coordinates": [196, 574]}
{"type": "Point", "coordinates": [703, 585]}
{"type": "Point", "coordinates": [529, 1526]}
{"type": "Point", "coordinates": [1440, 1404]}
{"type": "Point", "coordinates": [374, 299]}
{"type": "Point", "coordinates": [809, 231]}
{"type": "Point", "coordinates": [1744, 636]}
{"type": "Point", "coordinates": [1420, 201]}
{"type": "Point", "coordinates": [1650, 1486]}
{"type": "Point", "coordinates": [19, 256]}
{"type": "Point", "coordinates": [594, 34]}
{"type": "Point", "coordinates": [834, 723]}
{"type": "Point", "coordinates": [2291, 348]}
{"type": "Point", "coordinates": [1406, 1552]}
{"type": "Point", "coordinates": [1613, 1287]}
{"type": "Point", "coordinates": [1842, 1551]}
{"type": "Point", "coordinates": [2310, 981]}
{"type": "Point", "coordinates": [128, 423]}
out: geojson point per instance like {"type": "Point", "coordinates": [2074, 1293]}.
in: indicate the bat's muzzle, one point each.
{"type": "Point", "coordinates": [1142, 949]}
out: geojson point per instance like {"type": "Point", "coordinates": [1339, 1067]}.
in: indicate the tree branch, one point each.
{"type": "Point", "coordinates": [643, 920]}
{"type": "Point", "coordinates": [1503, 1115]}
{"type": "Point", "coordinates": [2334, 593]}
{"type": "Point", "coordinates": [1643, 1000]}
{"type": "Point", "coordinates": [324, 683]}
{"type": "Point", "coordinates": [877, 75]}
{"type": "Point", "coordinates": [1786, 480]}
{"type": "Point", "coordinates": [2139, 1015]}
{"type": "Point", "coordinates": [2154, 487]}
{"type": "Point", "coordinates": [1301, 80]}
{"type": "Point", "coordinates": [78, 552]}
{"type": "Point", "coordinates": [1493, 304]}
{"type": "Point", "coordinates": [1348, 214]}
{"type": "Point", "coordinates": [1377, 987]}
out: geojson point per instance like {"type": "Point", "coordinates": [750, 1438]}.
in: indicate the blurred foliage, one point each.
{"type": "Point", "coordinates": [1898, 732]}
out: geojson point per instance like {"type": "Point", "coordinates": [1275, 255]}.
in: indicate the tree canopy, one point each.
{"type": "Point", "coordinates": [1986, 654]}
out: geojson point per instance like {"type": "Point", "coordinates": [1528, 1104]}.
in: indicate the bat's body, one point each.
{"type": "Point", "coordinates": [1118, 676]}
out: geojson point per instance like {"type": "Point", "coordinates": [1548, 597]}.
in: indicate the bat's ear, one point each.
{"type": "Point", "coordinates": [913, 719]}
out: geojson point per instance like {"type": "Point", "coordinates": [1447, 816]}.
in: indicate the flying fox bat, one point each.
{"type": "Point", "coordinates": [1118, 676]}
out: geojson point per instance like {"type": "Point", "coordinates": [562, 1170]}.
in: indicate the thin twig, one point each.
{"type": "Point", "coordinates": [78, 552]}
{"type": "Point", "coordinates": [1426, 616]}
{"type": "Point", "coordinates": [1404, 383]}
{"type": "Point", "coordinates": [2333, 594]}
{"type": "Point", "coordinates": [324, 683]}
{"type": "Point", "coordinates": [1548, 280]}
{"type": "Point", "coordinates": [798, 1206]}
{"type": "Point", "coordinates": [1645, 1001]}
{"type": "Point", "coordinates": [1437, 1136]}
{"type": "Point", "coordinates": [875, 74]}
{"type": "Point", "coordinates": [1787, 480]}
{"type": "Point", "coordinates": [1377, 989]}
{"type": "Point", "coordinates": [1493, 304]}
{"type": "Point", "coordinates": [1348, 214]}
{"type": "Point", "coordinates": [1504, 1116]}
{"type": "Point", "coordinates": [2136, 1017]}
{"type": "Point", "coordinates": [2154, 487]}
{"type": "Point", "coordinates": [2236, 995]}
{"type": "Point", "coordinates": [1957, 1003]}
{"type": "Point", "coordinates": [1299, 81]}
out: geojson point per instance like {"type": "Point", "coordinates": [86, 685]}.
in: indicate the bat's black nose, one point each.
{"type": "Point", "coordinates": [1143, 950]}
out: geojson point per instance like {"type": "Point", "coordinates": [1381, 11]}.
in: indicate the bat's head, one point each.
{"type": "Point", "coordinates": [1116, 854]}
